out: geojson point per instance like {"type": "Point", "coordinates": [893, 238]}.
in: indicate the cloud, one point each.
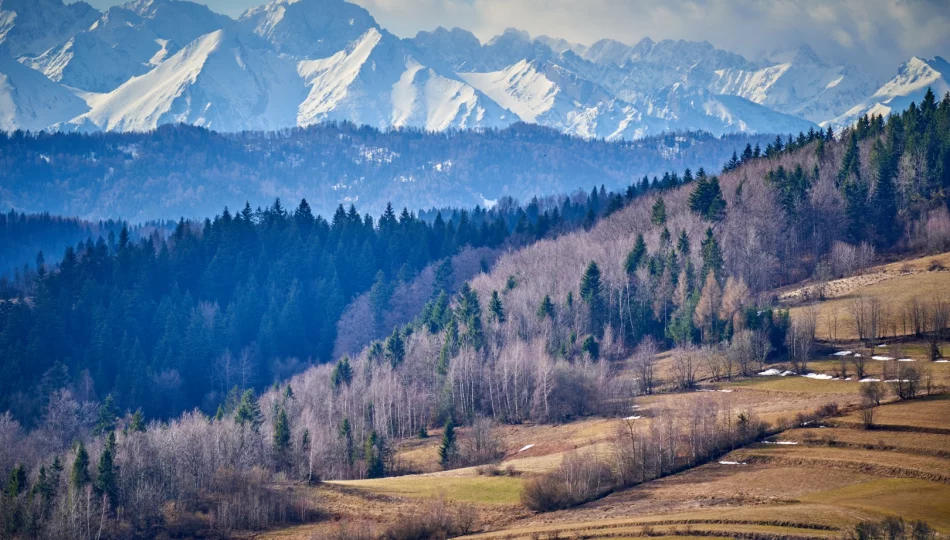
{"type": "Point", "coordinates": [875, 34]}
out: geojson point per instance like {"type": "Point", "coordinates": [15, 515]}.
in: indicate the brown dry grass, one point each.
{"type": "Point", "coordinates": [894, 293]}
{"type": "Point", "coordinates": [926, 413]}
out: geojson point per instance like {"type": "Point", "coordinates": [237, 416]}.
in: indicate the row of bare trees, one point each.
{"type": "Point", "coordinates": [643, 450]}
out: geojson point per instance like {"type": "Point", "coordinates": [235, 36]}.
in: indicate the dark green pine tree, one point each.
{"type": "Point", "coordinates": [395, 348]}
{"type": "Point", "coordinates": [448, 449]}
{"type": "Point", "coordinates": [79, 478]}
{"type": "Point", "coordinates": [592, 293]}
{"type": "Point", "coordinates": [346, 434]}
{"type": "Point", "coordinates": [342, 373]}
{"type": "Point", "coordinates": [591, 347]}
{"type": "Point", "coordinates": [107, 473]}
{"type": "Point", "coordinates": [747, 153]}
{"type": "Point", "coordinates": [373, 455]}
{"type": "Point", "coordinates": [712, 256]}
{"type": "Point", "coordinates": [443, 278]}
{"type": "Point", "coordinates": [682, 243]}
{"type": "Point", "coordinates": [137, 422]}
{"type": "Point", "coordinates": [546, 309]}
{"type": "Point", "coordinates": [281, 436]}
{"type": "Point", "coordinates": [469, 313]}
{"type": "Point", "coordinates": [850, 170]}
{"type": "Point", "coordinates": [108, 414]}
{"type": "Point", "coordinates": [886, 223]}
{"type": "Point", "coordinates": [658, 213]}
{"type": "Point", "coordinates": [248, 412]}
{"type": "Point", "coordinates": [636, 257]}
{"type": "Point", "coordinates": [496, 311]}
{"type": "Point", "coordinates": [16, 482]}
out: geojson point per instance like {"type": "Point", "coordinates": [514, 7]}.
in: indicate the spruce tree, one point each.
{"type": "Point", "coordinates": [342, 373]}
{"type": "Point", "coordinates": [712, 256]}
{"type": "Point", "coordinates": [373, 455]}
{"type": "Point", "coordinates": [591, 347]}
{"type": "Point", "coordinates": [395, 348]}
{"type": "Point", "coordinates": [107, 473]}
{"type": "Point", "coordinates": [448, 449]}
{"type": "Point", "coordinates": [108, 414]}
{"type": "Point", "coordinates": [636, 256]}
{"type": "Point", "coordinates": [137, 422]}
{"type": "Point", "coordinates": [495, 309]}
{"type": "Point", "coordinates": [281, 434]}
{"type": "Point", "coordinates": [546, 309]}
{"type": "Point", "coordinates": [886, 224]}
{"type": "Point", "coordinates": [248, 413]}
{"type": "Point", "coordinates": [79, 478]}
{"type": "Point", "coordinates": [346, 433]}
{"type": "Point", "coordinates": [658, 213]}
{"type": "Point", "coordinates": [591, 290]}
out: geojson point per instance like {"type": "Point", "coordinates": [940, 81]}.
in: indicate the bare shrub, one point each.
{"type": "Point", "coordinates": [440, 520]}
{"type": "Point", "coordinates": [482, 444]}
{"type": "Point", "coordinates": [580, 478]}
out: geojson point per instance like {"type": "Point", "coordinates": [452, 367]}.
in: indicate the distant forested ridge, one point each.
{"type": "Point", "coordinates": [24, 236]}
{"type": "Point", "coordinates": [186, 171]}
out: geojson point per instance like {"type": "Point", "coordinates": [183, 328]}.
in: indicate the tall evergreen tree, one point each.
{"type": "Point", "coordinates": [281, 434]}
{"type": "Point", "coordinates": [248, 412]}
{"type": "Point", "coordinates": [636, 257]}
{"type": "Point", "coordinates": [658, 213]}
{"type": "Point", "coordinates": [107, 472]}
{"type": "Point", "coordinates": [712, 256]}
{"type": "Point", "coordinates": [79, 478]}
{"type": "Point", "coordinates": [495, 308]}
{"type": "Point", "coordinates": [373, 455]}
{"type": "Point", "coordinates": [448, 448]}
{"type": "Point", "coordinates": [591, 290]}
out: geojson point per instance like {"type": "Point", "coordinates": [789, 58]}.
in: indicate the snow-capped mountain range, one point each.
{"type": "Point", "coordinates": [299, 62]}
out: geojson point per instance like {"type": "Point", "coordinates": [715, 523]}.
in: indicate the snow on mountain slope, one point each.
{"type": "Point", "coordinates": [377, 81]}
{"type": "Point", "coordinates": [32, 26]}
{"type": "Point", "coordinates": [216, 82]}
{"type": "Point", "coordinates": [88, 63]}
{"type": "Point", "coordinates": [519, 88]}
{"type": "Point", "coordinates": [28, 100]}
{"type": "Point", "coordinates": [126, 41]}
{"type": "Point", "coordinates": [423, 97]}
{"type": "Point", "coordinates": [909, 85]}
{"type": "Point", "coordinates": [801, 85]}
{"type": "Point", "coordinates": [308, 28]}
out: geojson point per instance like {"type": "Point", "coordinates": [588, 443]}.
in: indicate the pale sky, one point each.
{"type": "Point", "coordinates": [877, 35]}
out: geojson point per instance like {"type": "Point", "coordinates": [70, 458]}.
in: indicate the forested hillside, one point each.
{"type": "Point", "coordinates": [541, 335]}
{"type": "Point", "coordinates": [185, 171]}
{"type": "Point", "coordinates": [241, 300]}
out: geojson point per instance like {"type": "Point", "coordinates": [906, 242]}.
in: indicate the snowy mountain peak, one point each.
{"type": "Point", "coordinates": [802, 54]}
{"type": "Point", "coordinates": [308, 28]}
{"type": "Point", "coordinates": [296, 62]}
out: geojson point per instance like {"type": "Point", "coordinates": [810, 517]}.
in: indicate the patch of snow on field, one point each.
{"type": "Point", "coordinates": [528, 447]}
{"type": "Point", "coordinates": [633, 417]}
{"type": "Point", "coordinates": [732, 463]}
{"type": "Point", "coordinates": [882, 358]}
{"type": "Point", "coordinates": [843, 353]}
{"type": "Point", "coordinates": [818, 376]}
{"type": "Point", "coordinates": [770, 373]}
{"type": "Point", "coordinates": [780, 442]}
{"type": "Point", "coordinates": [870, 379]}
{"type": "Point", "coordinates": [906, 360]}
{"type": "Point", "coordinates": [941, 361]}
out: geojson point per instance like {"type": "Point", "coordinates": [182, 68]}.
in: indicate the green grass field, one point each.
{"type": "Point", "coordinates": [491, 490]}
